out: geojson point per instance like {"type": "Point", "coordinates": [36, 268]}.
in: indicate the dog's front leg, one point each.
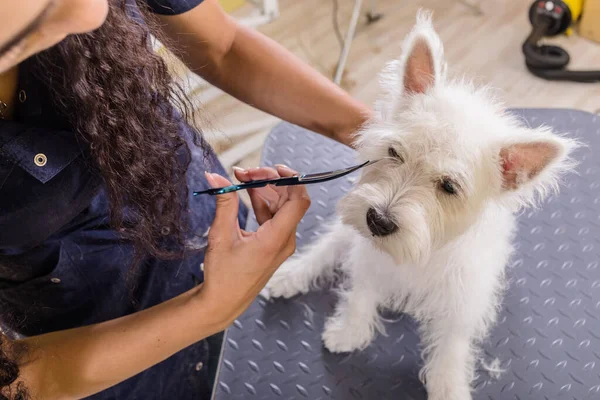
{"type": "Point", "coordinates": [317, 260]}
{"type": "Point", "coordinates": [356, 317]}
{"type": "Point", "coordinates": [355, 321]}
{"type": "Point", "coordinates": [449, 358]}
{"type": "Point", "coordinates": [465, 309]}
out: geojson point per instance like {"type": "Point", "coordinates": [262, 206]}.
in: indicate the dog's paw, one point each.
{"type": "Point", "coordinates": [451, 395]}
{"type": "Point", "coordinates": [287, 282]}
{"type": "Point", "coordinates": [447, 388]}
{"type": "Point", "coordinates": [341, 337]}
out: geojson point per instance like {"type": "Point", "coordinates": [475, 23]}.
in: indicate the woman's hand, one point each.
{"type": "Point", "coordinates": [238, 264]}
{"type": "Point", "coordinates": [79, 362]}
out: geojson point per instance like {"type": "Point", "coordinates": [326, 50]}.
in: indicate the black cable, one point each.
{"type": "Point", "coordinates": [550, 62]}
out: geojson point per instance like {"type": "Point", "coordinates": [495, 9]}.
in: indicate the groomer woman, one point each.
{"type": "Point", "coordinates": [110, 278]}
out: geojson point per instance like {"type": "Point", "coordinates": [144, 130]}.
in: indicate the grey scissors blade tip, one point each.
{"type": "Point", "coordinates": [371, 162]}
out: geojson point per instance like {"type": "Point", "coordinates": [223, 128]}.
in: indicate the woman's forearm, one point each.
{"type": "Point", "coordinates": [262, 73]}
{"type": "Point", "coordinates": [79, 362]}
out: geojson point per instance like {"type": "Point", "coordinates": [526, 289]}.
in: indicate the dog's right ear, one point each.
{"type": "Point", "coordinates": [422, 62]}
{"type": "Point", "coordinates": [420, 67]}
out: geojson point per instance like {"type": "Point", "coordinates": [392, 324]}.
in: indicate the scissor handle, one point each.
{"type": "Point", "coordinates": [289, 181]}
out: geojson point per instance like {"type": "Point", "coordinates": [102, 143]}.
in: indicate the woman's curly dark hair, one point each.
{"type": "Point", "coordinates": [11, 356]}
{"type": "Point", "coordinates": [123, 103]}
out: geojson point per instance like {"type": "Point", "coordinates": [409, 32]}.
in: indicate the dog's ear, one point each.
{"type": "Point", "coordinates": [419, 72]}
{"type": "Point", "coordinates": [523, 162]}
{"type": "Point", "coordinates": [420, 67]}
{"type": "Point", "coordinates": [422, 58]}
{"type": "Point", "coordinates": [536, 163]}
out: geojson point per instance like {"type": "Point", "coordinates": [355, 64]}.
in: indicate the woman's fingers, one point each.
{"type": "Point", "coordinates": [225, 227]}
{"type": "Point", "coordinates": [284, 222]}
{"type": "Point", "coordinates": [273, 196]}
{"type": "Point", "coordinates": [293, 209]}
{"type": "Point", "coordinates": [241, 174]}
{"type": "Point", "coordinates": [296, 192]}
{"type": "Point", "coordinates": [255, 174]}
{"type": "Point", "coordinates": [268, 201]}
{"type": "Point", "coordinates": [260, 206]}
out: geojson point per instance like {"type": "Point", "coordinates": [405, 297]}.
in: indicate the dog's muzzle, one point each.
{"type": "Point", "coordinates": [380, 225]}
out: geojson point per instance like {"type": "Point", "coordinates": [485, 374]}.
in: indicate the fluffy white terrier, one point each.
{"type": "Point", "coordinates": [428, 229]}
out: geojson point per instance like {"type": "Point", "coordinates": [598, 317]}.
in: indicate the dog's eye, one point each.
{"type": "Point", "coordinates": [448, 186]}
{"type": "Point", "coordinates": [394, 154]}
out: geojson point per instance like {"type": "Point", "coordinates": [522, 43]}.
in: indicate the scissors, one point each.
{"type": "Point", "coordinates": [287, 181]}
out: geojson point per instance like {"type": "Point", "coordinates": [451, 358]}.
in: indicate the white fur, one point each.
{"type": "Point", "coordinates": [445, 265]}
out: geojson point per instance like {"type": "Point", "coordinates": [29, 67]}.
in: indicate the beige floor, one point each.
{"type": "Point", "coordinates": [486, 47]}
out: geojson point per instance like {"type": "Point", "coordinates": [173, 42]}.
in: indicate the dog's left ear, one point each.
{"type": "Point", "coordinates": [536, 164]}
{"type": "Point", "coordinates": [422, 58]}
{"type": "Point", "coordinates": [523, 162]}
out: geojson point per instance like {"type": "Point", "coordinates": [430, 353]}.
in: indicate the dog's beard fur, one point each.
{"type": "Point", "coordinates": [442, 253]}
{"type": "Point", "coordinates": [405, 203]}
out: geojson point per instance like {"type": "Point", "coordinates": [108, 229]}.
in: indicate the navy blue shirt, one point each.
{"type": "Point", "coordinates": [61, 264]}
{"type": "Point", "coordinates": [172, 7]}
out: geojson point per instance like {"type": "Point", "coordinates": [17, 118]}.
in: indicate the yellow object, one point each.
{"type": "Point", "coordinates": [569, 31]}
{"type": "Point", "coordinates": [575, 6]}
{"type": "Point", "coordinates": [231, 5]}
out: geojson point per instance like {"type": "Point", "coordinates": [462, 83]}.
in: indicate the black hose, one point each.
{"type": "Point", "coordinates": [566, 75]}
{"type": "Point", "coordinates": [549, 62]}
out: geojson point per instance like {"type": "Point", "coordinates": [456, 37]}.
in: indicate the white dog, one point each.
{"type": "Point", "coordinates": [428, 229]}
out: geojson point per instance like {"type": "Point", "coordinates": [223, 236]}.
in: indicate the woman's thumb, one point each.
{"type": "Point", "coordinates": [226, 218]}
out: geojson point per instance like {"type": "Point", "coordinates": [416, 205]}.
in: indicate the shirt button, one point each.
{"type": "Point", "coordinates": [40, 159]}
{"type": "Point", "coordinates": [165, 230]}
{"type": "Point", "coordinates": [22, 96]}
{"type": "Point", "coordinates": [202, 267]}
{"type": "Point", "coordinates": [55, 280]}
{"type": "Point", "coordinates": [199, 366]}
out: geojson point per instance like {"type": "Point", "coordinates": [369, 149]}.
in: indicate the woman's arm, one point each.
{"type": "Point", "coordinates": [79, 362]}
{"type": "Point", "coordinates": [260, 72]}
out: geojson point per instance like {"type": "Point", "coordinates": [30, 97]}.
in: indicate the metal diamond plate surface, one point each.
{"type": "Point", "coordinates": [548, 335]}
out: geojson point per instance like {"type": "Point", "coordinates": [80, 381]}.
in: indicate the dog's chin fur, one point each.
{"type": "Point", "coordinates": [411, 244]}
{"type": "Point", "coordinates": [445, 262]}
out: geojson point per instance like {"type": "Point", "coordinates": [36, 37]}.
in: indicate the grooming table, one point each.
{"type": "Point", "coordinates": [547, 337]}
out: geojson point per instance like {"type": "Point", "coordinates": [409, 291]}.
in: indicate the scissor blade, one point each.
{"type": "Point", "coordinates": [334, 174]}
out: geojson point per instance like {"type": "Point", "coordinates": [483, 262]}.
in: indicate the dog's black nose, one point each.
{"type": "Point", "coordinates": [379, 224]}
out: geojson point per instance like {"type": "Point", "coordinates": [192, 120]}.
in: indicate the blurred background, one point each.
{"type": "Point", "coordinates": [482, 39]}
